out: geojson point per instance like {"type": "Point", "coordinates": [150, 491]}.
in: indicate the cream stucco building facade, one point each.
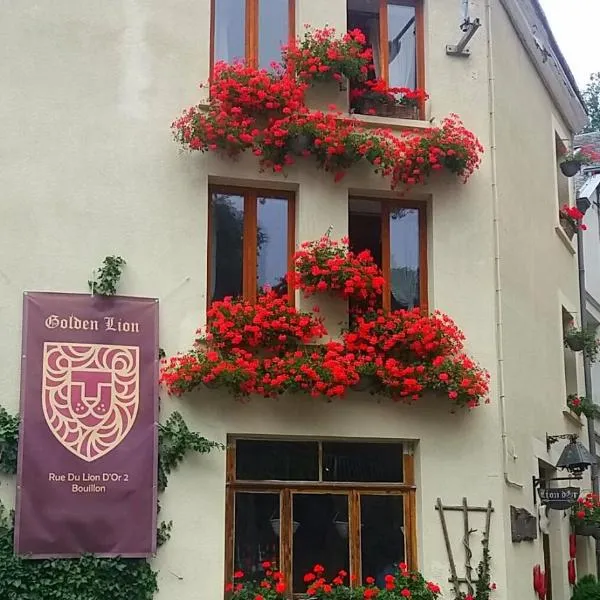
{"type": "Point", "coordinates": [88, 169]}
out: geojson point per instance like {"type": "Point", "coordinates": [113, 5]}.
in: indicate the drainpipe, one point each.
{"type": "Point", "coordinates": [587, 377]}
{"type": "Point", "coordinates": [496, 227]}
{"type": "Point", "coordinates": [583, 205]}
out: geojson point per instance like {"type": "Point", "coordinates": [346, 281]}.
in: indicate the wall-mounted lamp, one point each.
{"type": "Point", "coordinates": [583, 204]}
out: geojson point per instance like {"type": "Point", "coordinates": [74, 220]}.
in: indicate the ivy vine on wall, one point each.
{"type": "Point", "coordinates": [106, 278]}
{"type": "Point", "coordinates": [88, 577]}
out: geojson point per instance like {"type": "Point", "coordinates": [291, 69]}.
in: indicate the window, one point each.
{"type": "Point", "coordinates": [570, 359]}
{"type": "Point", "coordinates": [253, 30]}
{"type": "Point", "coordinates": [346, 505]}
{"type": "Point", "coordinates": [562, 182]}
{"type": "Point", "coordinates": [396, 236]}
{"type": "Point", "coordinates": [394, 30]}
{"type": "Point", "coordinates": [251, 242]}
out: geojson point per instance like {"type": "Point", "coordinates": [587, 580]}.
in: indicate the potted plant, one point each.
{"type": "Point", "coordinates": [585, 516]}
{"type": "Point", "coordinates": [571, 162]}
{"type": "Point", "coordinates": [570, 218]}
{"type": "Point", "coordinates": [374, 97]}
{"type": "Point", "coordinates": [581, 405]}
{"type": "Point", "coordinates": [583, 340]}
{"type": "Point", "coordinates": [271, 587]}
{"type": "Point", "coordinates": [587, 588]}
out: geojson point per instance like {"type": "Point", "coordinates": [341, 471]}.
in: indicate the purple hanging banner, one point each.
{"type": "Point", "coordinates": [88, 445]}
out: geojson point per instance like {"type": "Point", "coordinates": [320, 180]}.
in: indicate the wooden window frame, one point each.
{"type": "Point", "coordinates": [251, 30]}
{"type": "Point", "coordinates": [249, 252]}
{"type": "Point", "coordinates": [386, 207]}
{"type": "Point", "coordinates": [286, 490]}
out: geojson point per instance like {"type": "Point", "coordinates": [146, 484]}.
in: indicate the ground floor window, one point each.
{"type": "Point", "coordinates": [346, 505]}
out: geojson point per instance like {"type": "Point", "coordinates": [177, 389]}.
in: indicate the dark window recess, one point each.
{"type": "Point", "coordinates": [362, 462]}
{"type": "Point", "coordinates": [274, 460]}
{"type": "Point", "coordinates": [257, 527]}
{"type": "Point", "coordinates": [382, 535]}
{"type": "Point", "coordinates": [321, 524]}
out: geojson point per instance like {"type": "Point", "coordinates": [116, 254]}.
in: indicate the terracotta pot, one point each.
{"type": "Point", "coordinates": [568, 227]}
{"type": "Point", "coordinates": [570, 168]}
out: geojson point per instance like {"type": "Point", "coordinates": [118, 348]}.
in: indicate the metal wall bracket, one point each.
{"type": "Point", "coordinates": [469, 29]}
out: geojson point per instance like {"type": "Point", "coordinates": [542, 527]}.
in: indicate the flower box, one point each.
{"type": "Point", "coordinates": [568, 227]}
{"type": "Point", "coordinates": [588, 530]}
{"type": "Point", "coordinates": [385, 109]}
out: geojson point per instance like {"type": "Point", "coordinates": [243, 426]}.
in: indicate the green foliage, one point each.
{"type": "Point", "coordinates": [583, 339]}
{"type": "Point", "coordinates": [107, 276]}
{"type": "Point", "coordinates": [175, 440]}
{"type": "Point", "coordinates": [587, 588]}
{"type": "Point", "coordinates": [9, 442]}
{"type": "Point", "coordinates": [88, 577]}
{"type": "Point", "coordinates": [591, 97]}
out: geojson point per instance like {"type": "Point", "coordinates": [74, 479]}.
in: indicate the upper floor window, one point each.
{"type": "Point", "coordinates": [253, 30]}
{"type": "Point", "coordinates": [394, 30]}
{"type": "Point", "coordinates": [396, 236]}
{"type": "Point", "coordinates": [251, 241]}
{"type": "Point", "coordinates": [347, 505]}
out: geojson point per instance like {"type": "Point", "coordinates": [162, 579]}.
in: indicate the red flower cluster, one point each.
{"type": "Point", "coordinates": [377, 91]}
{"type": "Point", "coordinates": [573, 215]}
{"type": "Point", "coordinates": [262, 348]}
{"type": "Point", "coordinates": [265, 112]}
{"type": "Point", "coordinates": [271, 587]}
{"type": "Point", "coordinates": [269, 323]}
{"type": "Point", "coordinates": [329, 266]}
{"type": "Point", "coordinates": [587, 509]}
{"type": "Point", "coordinates": [322, 56]}
{"type": "Point", "coordinates": [400, 585]}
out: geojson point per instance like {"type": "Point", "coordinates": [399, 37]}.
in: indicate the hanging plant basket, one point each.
{"type": "Point", "coordinates": [301, 143]}
{"type": "Point", "coordinates": [568, 227]}
{"type": "Point", "coordinates": [588, 530]}
{"type": "Point", "coordinates": [575, 343]}
{"type": "Point", "coordinates": [570, 168]}
{"type": "Point", "coordinates": [276, 525]}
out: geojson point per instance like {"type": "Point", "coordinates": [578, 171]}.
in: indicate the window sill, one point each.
{"type": "Point", "coordinates": [564, 239]}
{"type": "Point", "coordinates": [369, 121]}
{"type": "Point", "coordinates": [571, 416]}
{"type": "Point", "coordinates": [391, 122]}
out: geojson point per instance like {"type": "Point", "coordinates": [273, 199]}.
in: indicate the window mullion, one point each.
{"type": "Point", "coordinates": [386, 254]}
{"type": "Point", "coordinates": [355, 533]}
{"type": "Point", "coordinates": [286, 536]}
{"type": "Point", "coordinates": [252, 32]}
{"type": "Point", "coordinates": [250, 245]}
{"type": "Point", "coordinates": [383, 40]}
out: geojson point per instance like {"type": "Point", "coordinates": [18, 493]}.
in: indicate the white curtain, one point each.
{"type": "Point", "coordinates": [373, 33]}
{"type": "Point", "coordinates": [403, 57]}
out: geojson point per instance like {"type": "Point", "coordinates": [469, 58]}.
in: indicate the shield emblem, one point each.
{"type": "Point", "coordinates": [90, 395]}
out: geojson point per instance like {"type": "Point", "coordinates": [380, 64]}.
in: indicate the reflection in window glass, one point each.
{"type": "Point", "coordinates": [227, 227]}
{"type": "Point", "coordinates": [256, 532]}
{"type": "Point", "coordinates": [321, 522]}
{"type": "Point", "coordinates": [273, 30]}
{"type": "Point", "coordinates": [404, 258]}
{"type": "Point", "coordinates": [382, 535]}
{"type": "Point", "coordinates": [272, 266]}
{"type": "Point", "coordinates": [402, 46]}
{"type": "Point", "coordinates": [367, 462]}
{"type": "Point", "coordinates": [230, 24]}
{"type": "Point", "coordinates": [285, 461]}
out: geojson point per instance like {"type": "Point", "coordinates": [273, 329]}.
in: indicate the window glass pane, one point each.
{"type": "Point", "coordinates": [402, 47]}
{"type": "Point", "coordinates": [273, 30]}
{"type": "Point", "coordinates": [364, 15]}
{"type": "Point", "coordinates": [230, 25]}
{"type": "Point", "coordinates": [260, 460]}
{"type": "Point", "coordinates": [256, 532]}
{"type": "Point", "coordinates": [382, 535]}
{"type": "Point", "coordinates": [367, 462]}
{"type": "Point", "coordinates": [272, 259]}
{"type": "Point", "coordinates": [404, 258]}
{"type": "Point", "coordinates": [321, 522]}
{"type": "Point", "coordinates": [227, 225]}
